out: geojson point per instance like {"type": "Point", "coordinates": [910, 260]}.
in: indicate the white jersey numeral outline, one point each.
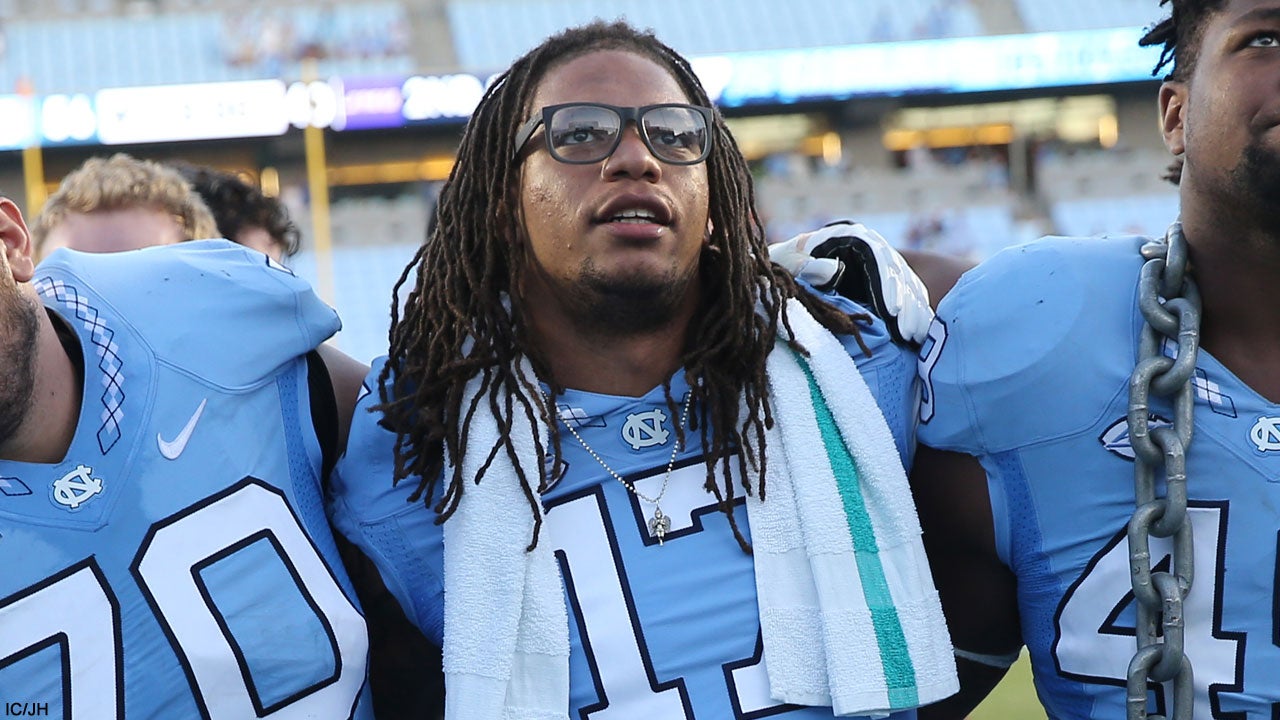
{"type": "Point", "coordinates": [85, 626]}
{"type": "Point", "coordinates": [1093, 644]}
{"type": "Point", "coordinates": [166, 568]}
{"type": "Point", "coordinates": [930, 352]}
{"type": "Point", "coordinates": [586, 546]}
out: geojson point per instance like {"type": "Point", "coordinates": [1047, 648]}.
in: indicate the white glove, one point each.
{"type": "Point", "coordinates": [859, 264]}
{"type": "Point", "coordinates": [793, 255]}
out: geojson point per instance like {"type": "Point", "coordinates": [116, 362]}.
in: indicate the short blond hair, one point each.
{"type": "Point", "coordinates": [121, 182]}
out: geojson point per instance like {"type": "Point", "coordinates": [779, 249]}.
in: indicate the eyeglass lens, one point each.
{"type": "Point", "coordinates": [586, 133]}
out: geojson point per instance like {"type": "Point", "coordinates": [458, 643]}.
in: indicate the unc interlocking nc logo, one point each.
{"type": "Point", "coordinates": [645, 429]}
{"type": "Point", "coordinates": [76, 488]}
{"type": "Point", "coordinates": [1266, 433]}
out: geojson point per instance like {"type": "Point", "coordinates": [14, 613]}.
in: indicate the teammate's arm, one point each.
{"type": "Point", "coordinates": [978, 591]}
{"type": "Point", "coordinates": [939, 272]}
{"type": "Point", "coordinates": [405, 675]}
{"type": "Point", "coordinates": [347, 374]}
{"type": "Point", "coordinates": [405, 670]}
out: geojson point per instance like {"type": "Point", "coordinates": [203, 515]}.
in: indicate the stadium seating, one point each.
{"type": "Point", "coordinates": [362, 278]}
{"type": "Point", "coordinates": [372, 240]}
{"type": "Point", "coordinates": [236, 39]}
{"type": "Point", "coordinates": [705, 27]}
{"type": "Point", "coordinates": [1108, 192]}
{"type": "Point", "coordinates": [948, 209]}
{"type": "Point", "coordinates": [119, 50]}
{"type": "Point", "coordinates": [1044, 16]}
{"type": "Point", "coordinates": [1141, 215]}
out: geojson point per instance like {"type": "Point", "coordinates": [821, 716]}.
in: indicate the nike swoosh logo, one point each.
{"type": "Point", "coordinates": [171, 449]}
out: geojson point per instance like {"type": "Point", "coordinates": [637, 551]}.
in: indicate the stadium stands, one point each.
{"type": "Point", "coordinates": [1140, 215]}
{"type": "Point", "coordinates": [119, 50]}
{"type": "Point", "coordinates": [1108, 192]}
{"type": "Point", "coordinates": [941, 209]}
{"type": "Point", "coordinates": [361, 291]}
{"type": "Point", "coordinates": [133, 42]}
{"type": "Point", "coordinates": [1043, 16]}
{"type": "Point", "coordinates": [705, 27]}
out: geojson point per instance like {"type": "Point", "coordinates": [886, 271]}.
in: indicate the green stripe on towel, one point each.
{"type": "Point", "coordinates": [899, 671]}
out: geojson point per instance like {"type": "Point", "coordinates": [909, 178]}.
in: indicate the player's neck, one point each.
{"type": "Point", "coordinates": [620, 366]}
{"type": "Point", "coordinates": [51, 424]}
{"type": "Point", "coordinates": [1237, 274]}
{"type": "Point", "coordinates": [629, 365]}
{"type": "Point", "coordinates": [608, 345]}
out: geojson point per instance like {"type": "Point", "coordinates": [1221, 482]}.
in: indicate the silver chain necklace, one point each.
{"type": "Point", "coordinates": [659, 523]}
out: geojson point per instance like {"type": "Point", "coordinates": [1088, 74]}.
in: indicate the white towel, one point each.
{"type": "Point", "coordinates": [848, 611]}
{"type": "Point", "coordinates": [506, 630]}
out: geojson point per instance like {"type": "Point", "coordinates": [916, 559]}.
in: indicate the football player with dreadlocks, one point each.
{"type": "Point", "coordinates": [591, 388]}
{"type": "Point", "coordinates": [1102, 427]}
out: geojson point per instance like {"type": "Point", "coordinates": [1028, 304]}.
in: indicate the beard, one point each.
{"type": "Point", "coordinates": [20, 324]}
{"type": "Point", "coordinates": [1257, 176]}
{"type": "Point", "coordinates": [629, 304]}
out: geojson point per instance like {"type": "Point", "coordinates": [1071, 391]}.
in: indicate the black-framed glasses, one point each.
{"type": "Point", "coordinates": [581, 133]}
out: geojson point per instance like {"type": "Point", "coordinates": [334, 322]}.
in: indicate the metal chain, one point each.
{"type": "Point", "coordinates": [659, 523]}
{"type": "Point", "coordinates": [1170, 304]}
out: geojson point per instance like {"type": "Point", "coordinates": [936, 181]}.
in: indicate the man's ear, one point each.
{"type": "Point", "coordinates": [16, 241]}
{"type": "Point", "coordinates": [1173, 105]}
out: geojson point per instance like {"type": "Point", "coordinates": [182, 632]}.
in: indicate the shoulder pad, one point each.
{"type": "Point", "coordinates": [218, 310]}
{"type": "Point", "coordinates": [1022, 335]}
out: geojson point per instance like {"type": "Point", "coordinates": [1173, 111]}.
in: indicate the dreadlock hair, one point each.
{"type": "Point", "coordinates": [463, 320]}
{"type": "Point", "coordinates": [1179, 36]}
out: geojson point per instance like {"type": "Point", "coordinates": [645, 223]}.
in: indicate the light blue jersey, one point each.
{"type": "Point", "coordinates": [177, 563]}
{"type": "Point", "coordinates": [1027, 369]}
{"type": "Point", "coordinates": [668, 631]}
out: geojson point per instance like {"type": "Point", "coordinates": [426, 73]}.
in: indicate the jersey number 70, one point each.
{"type": "Point", "coordinates": [79, 612]}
